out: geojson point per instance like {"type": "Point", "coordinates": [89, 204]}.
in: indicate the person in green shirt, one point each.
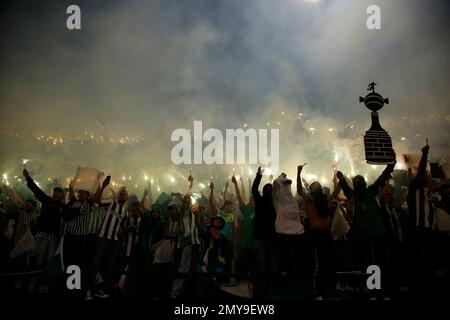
{"type": "Point", "coordinates": [367, 226]}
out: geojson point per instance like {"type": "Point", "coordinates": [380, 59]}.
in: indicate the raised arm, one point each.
{"type": "Point", "coordinates": [422, 169]}
{"type": "Point", "coordinates": [336, 189]}
{"type": "Point", "coordinates": [299, 181]}
{"type": "Point", "coordinates": [348, 192]}
{"type": "Point", "coordinates": [147, 197]}
{"type": "Point", "coordinates": [212, 207]}
{"type": "Point", "coordinates": [226, 190]}
{"type": "Point", "coordinates": [38, 193]}
{"type": "Point", "coordinates": [191, 183]}
{"type": "Point", "coordinates": [238, 192]}
{"type": "Point", "coordinates": [255, 185]}
{"type": "Point", "coordinates": [384, 176]}
{"type": "Point", "coordinates": [244, 193]}
{"type": "Point", "coordinates": [98, 194]}
{"type": "Point", "coordinates": [144, 195]}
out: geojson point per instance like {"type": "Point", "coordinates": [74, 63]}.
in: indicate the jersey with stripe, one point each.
{"type": "Point", "coordinates": [133, 236]}
{"type": "Point", "coordinates": [112, 221]}
{"type": "Point", "coordinates": [78, 226]}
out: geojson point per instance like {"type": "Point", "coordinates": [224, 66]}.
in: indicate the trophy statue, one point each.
{"type": "Point", "coordinates": [377, 142]}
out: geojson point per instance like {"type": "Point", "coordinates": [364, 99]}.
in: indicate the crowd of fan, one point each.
{"type": "Point", "coordinates": [158, 249]}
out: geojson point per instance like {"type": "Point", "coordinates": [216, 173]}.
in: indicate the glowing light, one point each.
{"type": "Point", "coordinates": [201, 185]}
{"type": "Point", "coordinates": [145, 178]}
{"type": "Point", "coordinates": [310, 177]}
{"type": "Point", "coordinates": [193, 200]}
{"type": "Point", "coordinates": [129, 178]}
{"type": "Point", "coordinates": [250, 172]}
{"type": "Point", "coordinates": [336, 156]}
{"type": "Point", "coordinates": [245, 125]}
{"type": "Point", "coordinates": [5, 179]}
{"type": "Point", "coordinates": [151, 180]}
{"type": "Point", "coordinates": [124, 178]}
{"type": "Point", "coordinates": [172, 179]}
{"type": "Point", "coordinates": [159, 189]}
{"type": "Point", "coordinates": [282, 113]}
{"type": "Point", "coordinates": [400, 166]}
{"type": "Point", "coordinates": [268, 171]}
{"type": "Point", "coordinates": [25, 161]}
{"type": "Point", "coordinates": [403, 138]}
{"type": "Point", "coordinates": [323, 180]}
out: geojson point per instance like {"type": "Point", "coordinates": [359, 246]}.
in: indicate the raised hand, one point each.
{"type": "Point", "coordinates": [300, 167]}
{"type": "Point", "coordinates": [260, 172]}
{"type": "Point", "coordinates": [191, 180]}
{"type": "Point", "coordinates": [233, 179]}
{"type": "Point", "coordinates": [26, 174]}
{"type": "Point", "coordinates": [339, 175]}
{"type": "Point", "coordinates": [106, 182]}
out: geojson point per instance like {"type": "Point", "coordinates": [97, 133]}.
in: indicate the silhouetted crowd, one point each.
{"type": "Point", "coordinates": [178, 246]}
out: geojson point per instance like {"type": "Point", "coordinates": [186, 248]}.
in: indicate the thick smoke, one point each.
{"type": "Point", "coordinates": [140, 69]}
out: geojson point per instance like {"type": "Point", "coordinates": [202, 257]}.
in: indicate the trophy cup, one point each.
{"type": "Point", "coordinates": [377, 142]}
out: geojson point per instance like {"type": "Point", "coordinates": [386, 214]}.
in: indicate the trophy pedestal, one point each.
{"type": "Point", "coordinates": [378, 147]}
